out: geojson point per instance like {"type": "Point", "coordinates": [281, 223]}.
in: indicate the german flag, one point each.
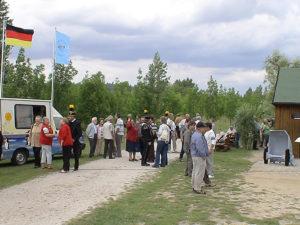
{"type": "Point", "coordinates": [18, 37]}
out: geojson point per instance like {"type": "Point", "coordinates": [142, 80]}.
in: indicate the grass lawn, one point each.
{"type": "Point", "coordinates": [11, 174]}
{"type": "Point", "coordinates": [168, 199]}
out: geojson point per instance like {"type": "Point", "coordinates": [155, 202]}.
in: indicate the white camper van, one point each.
{"type": "Point", "coordinates": [17, 116]}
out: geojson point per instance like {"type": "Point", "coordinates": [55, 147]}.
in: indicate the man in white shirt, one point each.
{"type": "Point", "coordinates": [91, 132]}
{"type": "Point", "coordinates": [163, 134]}
{"type": "Point", "coordinates": [172, 126]}
{"type": "Point", "coordinates": [119, 134]}
{"type": "Point", "coordinates": [108, 135]}
{"type": "Point", "coordinates": [211, 142]}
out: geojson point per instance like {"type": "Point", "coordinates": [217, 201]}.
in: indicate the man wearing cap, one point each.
{"type": "Point", "coordinates": [199, 153]}
{"type": "Point", "coordinates": [76, 135]}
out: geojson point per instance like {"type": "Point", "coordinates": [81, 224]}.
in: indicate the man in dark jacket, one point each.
{"type": "Point", "coordinates": [147, 139]}
{"type": "Point", "coordinates": [76, 135]}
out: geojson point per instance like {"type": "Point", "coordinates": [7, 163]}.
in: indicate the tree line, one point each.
{"type": "Point", "coordinates": [153, 91]}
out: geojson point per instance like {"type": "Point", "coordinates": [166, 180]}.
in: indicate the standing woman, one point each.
{"type": "Point", "coordinates": [100, 140]}
{"type": "Point", "coordinates": [131, 138]}
{"type": "Point", "coordinates": [66, 142]}
{"type": "Point", "coordinates": [46, 138]}
{"type": "Point", "coordinates": [34, 139]}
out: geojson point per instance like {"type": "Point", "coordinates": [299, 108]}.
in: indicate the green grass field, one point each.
{"type": "Point", "coordinates": [11, 174]}
{"type": "Point", "coordinates": [168, 199]}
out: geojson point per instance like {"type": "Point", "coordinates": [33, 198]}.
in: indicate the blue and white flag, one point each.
{"type": "Point", "coordinates": [62, 48]}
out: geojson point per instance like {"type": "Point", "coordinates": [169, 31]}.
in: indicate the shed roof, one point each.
{"type": "Point", "coordinates": [287, 89]}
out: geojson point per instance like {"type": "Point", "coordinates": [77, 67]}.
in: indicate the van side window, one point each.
{"type": "Point", "coordinates": [25, 114]}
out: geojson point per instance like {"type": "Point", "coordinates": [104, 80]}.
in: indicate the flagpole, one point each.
{"type": "Point", "coordinates": [2, 57]}
{"type": "Point", "coordinates": [52, 81]}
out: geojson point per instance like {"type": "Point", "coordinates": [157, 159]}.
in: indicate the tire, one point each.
{"type": "Point", "coordinates": [265, 156]}
{"type": "Point", "coordinates": [287, 157]}
{"type": "Point", "coordinates": [20, 157]}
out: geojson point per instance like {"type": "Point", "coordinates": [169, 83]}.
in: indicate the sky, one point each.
{"type": "Point", "coordinates": [228, 39]}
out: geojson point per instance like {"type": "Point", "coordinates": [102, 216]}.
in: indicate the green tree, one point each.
{"type": "Point", "coordinates": [232, 102]}
{"type": "Point", "coordinates": [211, 101]}
{"type": "Point", "coordinates": [95, 99]}
{"type": "Point", "coordinates": [63, 76]}
{"type": "Point", "coordinates": [123, 97]}
{"type": "Point", "coordinates": [151, 87]}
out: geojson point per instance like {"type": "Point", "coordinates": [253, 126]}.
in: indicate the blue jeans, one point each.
{"type": "Point", "coordinates": [161, 151]}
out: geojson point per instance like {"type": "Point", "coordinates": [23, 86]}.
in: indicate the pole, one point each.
{"type": "Point", "coordinates": [53, 73]}
{"type": "Point", "coordinates": [52, 82]}
{"type": "Point", "coordinates": [2, 56]}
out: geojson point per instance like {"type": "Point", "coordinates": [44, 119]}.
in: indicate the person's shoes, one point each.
{"type": "Point", "coordinates": [180, 160]}
{"type": "Point", "coordinates": [201, 192]}
{"type": "Point", "coordinates": [146, 164]}
{"type": "Point", "coordinates": [135, 160]}
{"type": "Point", "coordinates": [49, 167]}
{"type": "Point", "coordinates": [63, 171]}
{"type": "Point", "coordinates": [155, 166]}
{"type": "Point", "coordinates": [74, 170]}
{"type": "Point", "coordinates": [211, 176]}
{"type": "Point", "coordinates": [186, 174]}
{"type": "Point", "coordinates": [210, 185]}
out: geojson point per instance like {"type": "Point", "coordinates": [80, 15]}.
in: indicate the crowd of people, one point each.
{"type": "Point", "coordinates": [146, 142]}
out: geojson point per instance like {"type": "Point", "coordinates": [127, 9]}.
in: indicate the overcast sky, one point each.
{"type": "Point", "coordinates": [228, 39]}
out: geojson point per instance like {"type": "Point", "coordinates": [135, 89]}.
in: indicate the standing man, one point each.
{"type": "Point", "coordinates": [187, 135]}
{"type": "Point", "coordinates": [211, 142]}
{"type": "Point", "coordinates": [46, 139]}
{"type": "Point", "coordinates": [76, 131]}
{"type": "Point", "coordinates": [163, 136]}
{"type": "Point", "coordinates": [146, 139]}
{"type": "Point", "coordinates": [199, 153]}
{"type": "Point", "coordinates": [119, 134]}
{"type": "Point", "coordinates": [91, 132]}
{"type": "Point", "coordinates": [108, 134]}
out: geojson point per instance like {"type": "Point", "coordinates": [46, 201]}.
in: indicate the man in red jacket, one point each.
{"type": "Point", "coordinates": [66, 141]}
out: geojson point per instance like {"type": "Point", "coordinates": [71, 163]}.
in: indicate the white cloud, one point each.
{"type": "Point", "coordinates": [226, 38]}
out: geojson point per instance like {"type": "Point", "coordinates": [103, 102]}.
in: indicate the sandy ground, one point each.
{"type": "Point", "coordinates": [271, 190]}
{"type": "Point", "coordinates": [57, 198]}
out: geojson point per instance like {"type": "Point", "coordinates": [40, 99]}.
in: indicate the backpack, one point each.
{"type": "Point", "coordinates": [165, 134]}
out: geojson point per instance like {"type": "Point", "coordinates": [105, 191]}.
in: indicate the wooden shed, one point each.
{"type": "Point", "coordinates": [287, 104]}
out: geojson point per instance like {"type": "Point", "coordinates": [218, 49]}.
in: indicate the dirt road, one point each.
{"type": "Point", "coordinates": [56, 198]}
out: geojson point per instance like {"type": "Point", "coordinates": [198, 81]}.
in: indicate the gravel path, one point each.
{"type": "Point", "coordinates": [57, 198]}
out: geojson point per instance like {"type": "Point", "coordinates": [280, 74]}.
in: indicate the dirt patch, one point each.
{"type": "Point", "coordinates": [166, 195]}
{"type": "Point", "coordinates": [270, 190]}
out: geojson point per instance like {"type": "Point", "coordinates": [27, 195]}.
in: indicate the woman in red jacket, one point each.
{"type": "Point", "coordinates": [131, 138]}
{"type": "Point", "coordinates": [66, 141]}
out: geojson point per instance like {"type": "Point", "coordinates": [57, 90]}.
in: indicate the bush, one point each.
{"type": "Point", "coordinates": [245, 124]}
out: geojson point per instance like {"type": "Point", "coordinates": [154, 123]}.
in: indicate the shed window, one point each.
{"type": "Point", "coordinates": [25, 114]}
{"type": "Point", "coordinates": [296, 116]}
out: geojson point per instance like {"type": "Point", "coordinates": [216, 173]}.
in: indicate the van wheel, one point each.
{"type": "Point", "coordinates": [287, 157]}
{"type": "Point", "coordinates": [265, 156]}
{"type": "Point", "coordinates": [19, 157]}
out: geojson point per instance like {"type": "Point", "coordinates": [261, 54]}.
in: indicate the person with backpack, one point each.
{"type": "Point", "coordinates": [163, 137]}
